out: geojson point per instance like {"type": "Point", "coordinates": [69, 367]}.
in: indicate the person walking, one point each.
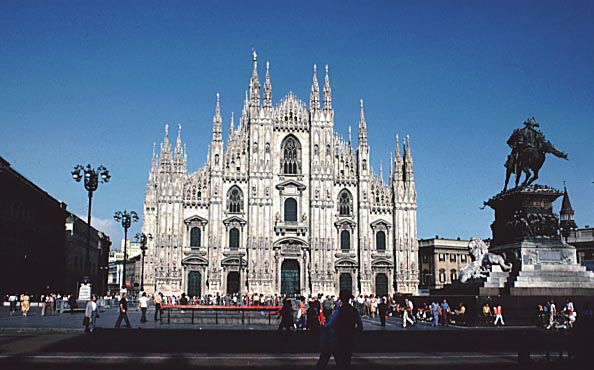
{"type": "Point", "coordinates": [123, 312]}
{"type": "Point", "coordinates": [25, 304]}
{"type": "Point", "coordinates": [445, 312]}
{"type": "Point", "coordinates": [407, 313]}
{"type": "Point", "coordinates": [340, 333]}
{"type": "Point", "coordinates": [498, 312]}
{"type": "Point", "coordinates": [12, 300]}
{"type": "Point", "coordinates": [158, 299]}
{"type": "Point", "coordinates": [91, 314]}
{"type": "Point", "coordinates": [435, 311]}
{"type": "Point", "coordinates": [143, 306]}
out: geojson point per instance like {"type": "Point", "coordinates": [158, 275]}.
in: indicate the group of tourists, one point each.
{"type": "Point", "coordinates": [550, 316]}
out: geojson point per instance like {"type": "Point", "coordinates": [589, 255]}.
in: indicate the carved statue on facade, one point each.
{"type": "Point", "coordinates": [529, 147]}
{"type": "Point", "coordinates": [481, 262]}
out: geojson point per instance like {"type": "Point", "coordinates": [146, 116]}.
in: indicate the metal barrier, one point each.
{"type": "Point", "coordinates": [270, 311]}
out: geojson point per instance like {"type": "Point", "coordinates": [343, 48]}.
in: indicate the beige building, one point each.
{"type": "Point", "coordinates": [286, 206]}
{"type": "Point", "coordinates": [440, 261]}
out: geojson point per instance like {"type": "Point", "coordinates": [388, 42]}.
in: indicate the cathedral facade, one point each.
{"type": "Point", "coordinates": [285, 206]}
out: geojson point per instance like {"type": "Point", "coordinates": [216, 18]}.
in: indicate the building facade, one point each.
{"type": "Point", "coordinates": [284, 206]}
{"type": "Point", "coordinates": [440, 261]}
{"type": "Point", "coordinates": [76, 246]}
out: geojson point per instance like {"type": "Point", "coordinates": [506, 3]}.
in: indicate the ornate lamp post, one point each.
{"type": "Point", "coordinates": [127, 219]}
{"type": "Point", "coordinates": [142, 238]}
{"type": "Point", "coordinates": [91, 183]}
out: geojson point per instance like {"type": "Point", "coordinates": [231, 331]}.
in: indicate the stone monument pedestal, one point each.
{"type": "Point", "coordinates": [526, 232]}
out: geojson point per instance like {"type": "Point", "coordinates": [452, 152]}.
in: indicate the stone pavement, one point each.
{"type": "Point", "coordinates": [24, 344]}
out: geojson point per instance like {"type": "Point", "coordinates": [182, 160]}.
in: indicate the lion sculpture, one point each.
{"type": "Point", "coordinates": [482, 260]}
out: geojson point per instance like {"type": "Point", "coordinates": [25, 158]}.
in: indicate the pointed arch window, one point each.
{"type": "Point", "coordinates": [195, 235]}
{"type": "Point", "coordinates": [234, 200]}
{"type": "Point", "coordinates": [290, 210]}
{"type": "Point", "coordinates": [291, 161]}
{"type": "Point", "coordinates": [345, 241]}
{"type": "Point", "coordinates": [380, 241]}
{"type": "Point", "coordinates": [345, 201]}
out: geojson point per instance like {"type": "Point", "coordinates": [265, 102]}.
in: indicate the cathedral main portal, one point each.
{"type": "Point", "coordinates": [290, 278]}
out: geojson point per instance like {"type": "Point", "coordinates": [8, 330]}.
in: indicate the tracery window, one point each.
{"type": "Point", "coordinates": [344, 203]}
{"type": "Point", "coordinates": [234, 200]}
{"type": "Point", "coordinates": [291, 161]}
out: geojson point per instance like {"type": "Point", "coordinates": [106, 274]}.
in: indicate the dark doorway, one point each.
{"type": "Point", "coordinates": [233, 282]}
{"type": "Point", "coordinates": [346, 282]}
{"type": "Point", "coordinates": [290, 278]}
{"type": "Point", "coordinates": [194, 284]}
{"type": "Point", "coordinates": [381, 285]}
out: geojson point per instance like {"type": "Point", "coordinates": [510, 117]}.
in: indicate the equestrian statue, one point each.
{"type": "Point", "coordinates": [529, 147]}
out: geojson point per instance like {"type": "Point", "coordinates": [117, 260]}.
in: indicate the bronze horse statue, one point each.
{"type": "Point", "coordinates": [528, 161]}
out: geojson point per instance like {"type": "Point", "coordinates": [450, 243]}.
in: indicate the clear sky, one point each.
{"type": "Point", "coordinates": [96, 81]}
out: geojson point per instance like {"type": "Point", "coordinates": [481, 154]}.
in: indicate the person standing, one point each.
{"type": "Point", "coordinates": [91, 314]}
{"type": "Point", "coordinates": [123, 312]}
{"type": "Point", "coordinates": [340, 333]}
{"type": "Point", "coordinates": [552, 314]}
{"type": "Point", "coordinates": [382, 309]}
{"type": "Point", "coordinates": [327, 307]}
{"type": "Point", "coordinates": [143, 306]}
{"type": "Point", "coordinates": [487, 316]}
{"type": "Point", "coordinates": [157, 299]}
{"type": "Point", "coordinates": [445, 312]}
{"type": "Point", "coordinates": [286, 315]}
{"type": "Point", "coordinates": [25, 304]}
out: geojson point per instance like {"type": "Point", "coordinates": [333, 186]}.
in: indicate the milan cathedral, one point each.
{"type": "Point", "coordinates": [285, 206]}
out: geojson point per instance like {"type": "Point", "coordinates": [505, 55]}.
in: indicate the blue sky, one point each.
{"type": "Point", "coordinates": [96, 81]}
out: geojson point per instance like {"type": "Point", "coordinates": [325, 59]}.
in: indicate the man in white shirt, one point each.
{"type": "Point", "coordinates": [143, 306]}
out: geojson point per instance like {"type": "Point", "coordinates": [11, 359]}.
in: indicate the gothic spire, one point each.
{"type": "Point", "coordinates": [166, 152]}
{"type": "Point", "coordinates": [408, 163]}
{"type": "Point", "coordinates": [255, 83]}
{"type": "Point", "coordinates": [217, 122]}
{"type": "Point", "coordinates": [267, 88]}
{"type": "Point", "coordinates": [362, 127]}
{"type": "Point", "coordinates": [178, 143]}
{"type": "Point", "coordinates": [567, 213]}
{"type": "Point", "coordinates": [231, 125]}
{"type": "Point", "coordinates": [398, 164]}
{"type": "Point", "coordinates": [327, 93]}
{"type": "Point", "coordinates": [314, 96]}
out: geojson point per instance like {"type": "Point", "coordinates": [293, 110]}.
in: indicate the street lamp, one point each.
{"type": "Point", "coordinates": [91, 183]}
{"type": "Point", "coordinates": [142, 238]}
{"type": "Point", "coordinates": [127, 219]}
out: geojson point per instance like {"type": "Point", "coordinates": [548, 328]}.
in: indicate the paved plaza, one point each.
{"type": "Point", "coordinates": [35, 340]}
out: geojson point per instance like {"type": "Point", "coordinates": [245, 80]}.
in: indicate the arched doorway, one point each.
{"type": "Point", "coordinates": [346, 282]}
{"type": "Point", "coordinates": [290, 278]}
{"type": "Point", "coordinates": [194, 284]}
{"type": "Point", "coordinates": [381, 285]}
{"type": "Point", "coordinates": [233, 282]}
